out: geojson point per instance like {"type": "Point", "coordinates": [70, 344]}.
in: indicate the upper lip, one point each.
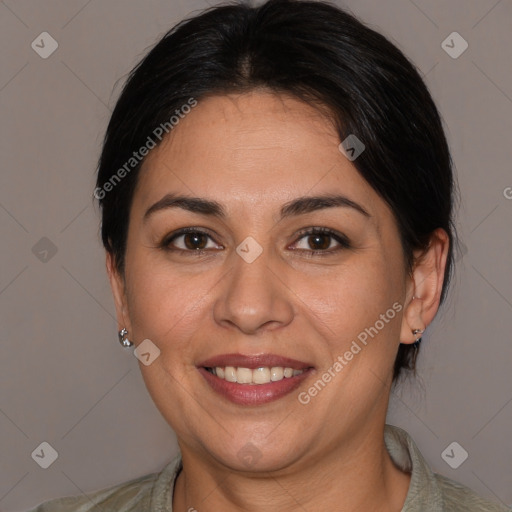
{"type": "Point", "coordinates": [253, 361]}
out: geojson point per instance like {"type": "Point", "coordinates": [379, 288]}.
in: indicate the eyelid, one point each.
{"type": "Point", "coordinates": [340, 238]}
{"type": "Point", "coordinates": [166, 241]}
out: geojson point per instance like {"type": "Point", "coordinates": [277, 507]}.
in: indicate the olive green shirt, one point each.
{"type": "Point", "coordinates": [428, 491]}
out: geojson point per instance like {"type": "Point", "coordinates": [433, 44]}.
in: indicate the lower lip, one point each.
{"type": "Point", "coordinates": [253, 394]}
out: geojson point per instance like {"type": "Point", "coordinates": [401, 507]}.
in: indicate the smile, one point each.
{"type": "Point", "coordinates": [258, 376]}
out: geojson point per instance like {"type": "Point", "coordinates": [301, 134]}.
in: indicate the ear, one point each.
{"type": "Point", "coordinates": [425, 286]}
{"type": "Point", "coordinates": [119, 292]}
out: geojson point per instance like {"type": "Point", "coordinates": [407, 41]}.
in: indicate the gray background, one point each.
{"type": "Point", "coordinates": [65, 379]}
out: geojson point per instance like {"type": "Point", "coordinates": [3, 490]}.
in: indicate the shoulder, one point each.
{"type": "Point", "coordinates": [151, 492]}
{"type": "Point", "coordinates": [134, 495]}
{"type": "Point", "coordinates": [459, 498]}
{"type": "Point", "coordinates": [428, 490]}
{"type": "Point", "coordinates": [125, 497]}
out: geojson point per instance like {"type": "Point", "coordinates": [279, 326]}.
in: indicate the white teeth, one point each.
{"type": "Point", "coordinates": [244, 375]}
{"type": "Point", "coordinates": [276, 373]}
{"type": "Point", "coordinates": [230, 373]}
{"type": "Point", "coordinates": [262, 375]}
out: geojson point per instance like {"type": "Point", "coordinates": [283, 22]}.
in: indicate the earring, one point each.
{"type": "Point", "coordinates": [123, 338]}
{"type": "Point", "coordinates": [417, 341]}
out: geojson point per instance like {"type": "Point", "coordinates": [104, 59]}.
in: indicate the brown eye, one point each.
{"type": "Point", "coordinates": [319, 242]}
{"type": "Point", "coordinates": [194, 241]}
{"type": "Point", "coordinates": [189, 240]}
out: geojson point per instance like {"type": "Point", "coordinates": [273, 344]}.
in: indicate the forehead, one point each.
{"type": "Point", "coordinates": [254, 149]}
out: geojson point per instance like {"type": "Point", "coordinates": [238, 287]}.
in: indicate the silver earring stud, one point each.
{"type": "Point", "coordinates": [123, 338]}
{"type": "Point", "coordinates": [417, 341]}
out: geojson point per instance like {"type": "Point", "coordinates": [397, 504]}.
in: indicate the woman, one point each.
{"type": "Point", "coordinates": [277, 197]}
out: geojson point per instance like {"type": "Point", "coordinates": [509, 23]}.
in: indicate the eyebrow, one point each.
{"type": "Point", "coordinates": [298, 206]}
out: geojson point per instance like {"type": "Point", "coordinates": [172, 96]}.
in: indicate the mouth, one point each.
{"type": "Point", "coordinates": [253, 380]}
{"type": "Point", "coordinates": [258, 376]}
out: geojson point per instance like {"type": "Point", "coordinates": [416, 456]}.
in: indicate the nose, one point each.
{"type": "Point", "coordinates": [253, 296]}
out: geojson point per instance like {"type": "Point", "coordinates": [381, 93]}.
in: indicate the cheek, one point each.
{"type": "Point", "coordinates": [350, 301]}
{"type": "Point", "coordinates": [339, 302]}
{"type": "Point", "coordinates": [164, 305]}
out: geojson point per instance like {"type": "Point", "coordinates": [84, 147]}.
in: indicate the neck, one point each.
{"type": "Point", "coordinates": [355, 475]}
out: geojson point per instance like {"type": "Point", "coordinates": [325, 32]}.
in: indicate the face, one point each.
{"type": "Point", "coordinates": [262, 272]}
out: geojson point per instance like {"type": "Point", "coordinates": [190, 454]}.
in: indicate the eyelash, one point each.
{"type": "Point", "coordinates": [338, 237]}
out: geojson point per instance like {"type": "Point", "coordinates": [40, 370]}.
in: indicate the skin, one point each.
{"type": "Point", "coordinates": [253, 153]}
